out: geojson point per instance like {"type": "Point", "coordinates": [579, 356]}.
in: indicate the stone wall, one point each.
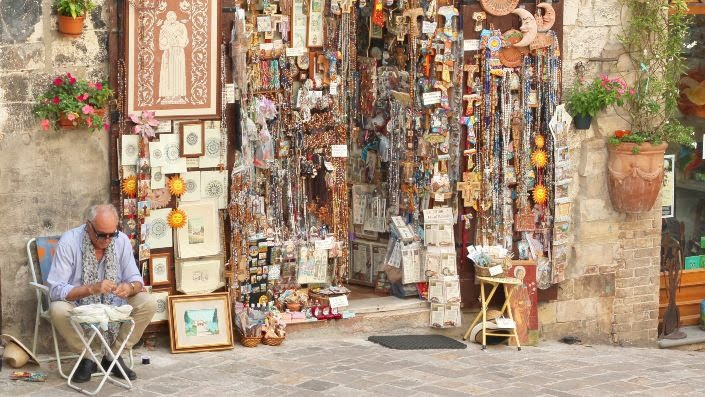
{"type": "Point", "coordinates": [611, 291]}
{"type": "Point", "coordinates": [47, 178]}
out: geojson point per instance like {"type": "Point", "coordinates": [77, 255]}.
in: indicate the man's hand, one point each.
{"type": "Point", "coordinates": [102, 287]}
{"type": "Point", "coordinates": [123, 290]}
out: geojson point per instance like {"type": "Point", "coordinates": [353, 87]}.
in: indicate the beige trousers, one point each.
{"type": "Point", "coordinates": [143, 305]}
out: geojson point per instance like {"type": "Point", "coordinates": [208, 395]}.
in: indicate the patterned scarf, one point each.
{"type": "Point", "coordinates": [90, 276]}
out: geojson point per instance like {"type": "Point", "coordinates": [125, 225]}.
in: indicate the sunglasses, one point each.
{"type": "Point", "coordinates": [103, 236]}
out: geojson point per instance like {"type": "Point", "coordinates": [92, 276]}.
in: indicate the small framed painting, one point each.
{"type": "Point", "coordinates": [315, 24]}
{"type": "Point", "coordinates": [192, 139]}
{"type": "Point", "coordinates": [200, 322]}
{"type": "Point", "coordinates": [159, 269]}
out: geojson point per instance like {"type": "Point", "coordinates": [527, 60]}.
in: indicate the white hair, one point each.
{"type": "Point", "coordinates": [95, 209]}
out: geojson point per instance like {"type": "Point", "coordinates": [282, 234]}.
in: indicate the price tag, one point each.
{"type": "Point", "coordinates": [505, 323]}
{"type": "Point", "coordinates": [230, 93]}
{"type": "Point", "coordinates": [428, 27]}
{"type": "Point", "coordinates": [295, 52]}
{"type": "Point", "coordinates": [325, 244]}
{"type": "Point", "coordinates": [264, 24]}
{"type": "Point", "coordinates": [164, 126]}
{"type": "Point", "coordinates": [333, 88]}
{"type": "Point", "coordinates": [338, 301]}
{"type": "Point", "coordinates": [431, 98]}
{"type": "Point", "coordinates": [440, 197]}
{"type": "Point", "coordinates": [495, 270]}
{"type": "Point", "coordinates": [471, 45]}
{"type": "Point", "coordinates": [339, 150]}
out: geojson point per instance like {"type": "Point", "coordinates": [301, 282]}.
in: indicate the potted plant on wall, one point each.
{"type": "Point", "coordinates": [585, 99]}
{"type": "Point", "coordinates": [71, 14]}
{"type": "Point", "coordinates": [654, 41]}
{"type": "Point", "coordinates": [70, 102]}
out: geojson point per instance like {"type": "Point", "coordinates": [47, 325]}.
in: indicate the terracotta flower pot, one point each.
{"type": "Point", "coordinates": [71, 26]}
{"type": "Point", "coordinates": [65, 123]}
{"type": "Point", "coordinates": [634, 179]}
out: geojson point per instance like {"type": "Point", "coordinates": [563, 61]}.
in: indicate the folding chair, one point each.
{"type": "Point", "coordinates": [43, 248]}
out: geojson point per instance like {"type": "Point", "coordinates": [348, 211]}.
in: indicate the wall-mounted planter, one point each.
{"type": "Point", "coordinates": [635, 175]}
{"type": "Point", "coordinates": [71, 26]}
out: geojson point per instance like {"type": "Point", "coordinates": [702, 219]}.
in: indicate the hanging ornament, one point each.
{"type": "Point", "coordinates": [528, 27]}
{"type": "Point", "coordinates": [540, 141]}
{"type": "Point", "coordinates": [539, 158]}
{"type": "Point", "coordinates": [511, 56]}
{"type": "Point", "coordinates": [378, 13]}
{"type": "Point", "coordinates": [540, 194]}
{"type": "Point", "coordinates": [494, 43]}
{"type": "Point", "coordinates": [129, 186]}
{"type": "Point", "coordinates": [499, 7]}
{"type": "Point", "coordinates": [176, 218]}
{"type": "Point", "coordinates": [160, 198]}
{"type": "Point", "coordinates": [177, 186]}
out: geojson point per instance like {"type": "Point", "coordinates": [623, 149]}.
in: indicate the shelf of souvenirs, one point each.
{"type": "Point", "coordinates": [691, 184]}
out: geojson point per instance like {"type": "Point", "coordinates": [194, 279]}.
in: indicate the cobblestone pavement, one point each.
{"type": "Point", "coordinates": [354, 367]}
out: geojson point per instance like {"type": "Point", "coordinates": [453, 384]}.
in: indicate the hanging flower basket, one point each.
{"type": "Point", "coordinates": [71, 26]}
{"type": "Point", "coordinates": [65, 123]}
{"type": "Point", "coordinates": [582, 121]}
{"type": "Point", "coordinates": [635, 174]}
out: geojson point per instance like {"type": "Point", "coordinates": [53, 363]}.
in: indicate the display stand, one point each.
{"type": "Point", "coordinates": [94, 330]}
{"type": "Point", "coordinates": [508, 283]}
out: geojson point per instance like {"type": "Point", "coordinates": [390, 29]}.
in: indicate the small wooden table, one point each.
{"type": "Point", "coordinates": [508, 283]}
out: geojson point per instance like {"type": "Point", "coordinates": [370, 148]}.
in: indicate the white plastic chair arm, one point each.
{"type": "Point", "coordinates": [40, 287]}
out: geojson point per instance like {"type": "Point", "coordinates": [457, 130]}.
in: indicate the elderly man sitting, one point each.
{"type": "Point", "coordinates": [94, 263]}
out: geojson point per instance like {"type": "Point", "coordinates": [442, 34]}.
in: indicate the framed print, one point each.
{"type": "Point", "coordinates": [161, 316]}
{"type": "Point", "coordinates": [201, 235]}
{"type": "Point", "coordinates": [159, 269]}
{"type": "Point", "coordinates": [213, 155]}
{"type": "Point", "coordinates": [200, 322]}
{"type": "Point", "coordinates": [172, 58]}
{"type": "Point", "coordinates": [192, 139]}
{"type": "Point", "coordinates": [214, 185]}
{"type": "Point", "coordinates": [160, 234]}
{"type": "Point", "coordinates": [315, 24]}
{"type": "Point", "coordinates": [361, 264]}
{"type": "Point", "coordinates": [200, 276]}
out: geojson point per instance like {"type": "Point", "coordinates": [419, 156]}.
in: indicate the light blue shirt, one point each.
{"type": "Point", "coordinates": [67, 265]}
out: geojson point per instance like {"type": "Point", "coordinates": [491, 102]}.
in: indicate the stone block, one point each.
{"type": "Point", "coordinates": [594, 186]}
{"type": "Point", "coordinates": [575, 310]}
{"type": "Point", "coordinates": [27, 56]}
{"type": "Point", "coordinates": [608, 122]}
{"type": "Point", "coordinates": [595, 209]}
{"type": "Point", "coordinates": [592, 39]}
{"type": "Point", "coordinates": [21, 20]}
{"type": "Point", "coordinates": [14, 87]}
{"type": "Point", "coordinates": [570, 12]}
{"type": "Point", "coordinates": [604, 230]}
{"type": "Point", "coordinates": [90, 51]}
{"type": "Point", "coordinates": [547, 312]}
{"type": "Point", "coordinates": [606, 12]}
{"type": "Point", "coordinates": [593, 286]}
{"type": "Point", "coordinates": [595, 253]}
{"type": "Point", "coordinates": [593, 157]}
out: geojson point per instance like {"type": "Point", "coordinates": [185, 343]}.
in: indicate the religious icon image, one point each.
{"type": "Point", "coordinates": [173, 38]}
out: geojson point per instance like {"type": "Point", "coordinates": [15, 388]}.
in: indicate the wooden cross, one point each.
{"type": "Point", "coordinates": [413, 14]}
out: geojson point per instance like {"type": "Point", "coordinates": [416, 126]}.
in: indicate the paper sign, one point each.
{"type": "Point", "coordinates": [428, 27]}
{"type": "Point", "coordinates": [471, 45]}
{"type": "Point", "coordinates": [325, 244]}
{"type": "Point", "coordinates": [295, 52]}
{"type": "Point", "coordinates": [431, 98]}
{"type": "Point", "coordinates": [333, 88]}
{"type": "Point", "coordinates": [440, 197]}
{"type": "Point", "coordinates": [338, 301]}
{"type": "Point", "coordinates": [495, 270]}
{"type": "Point", "coordinates": [164, 126]}
{"type": "Point", "coordinates": [438, 216]}
{"type": "Point", "coordinates": [505, 323]}
{"type": "Point", "coordinates": [264, 24]}
{"type": "Point", "coordinates": [230, 93]}
{"type": "Point", "coordinates": [339, 150]}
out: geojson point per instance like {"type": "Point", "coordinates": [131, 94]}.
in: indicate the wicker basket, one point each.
{"type": "Point", "coordinates": [249, 341]}
{"type": "Point", "coordinates": [481, 271]}
{"type": "Point", "coordinates": [273, 341]}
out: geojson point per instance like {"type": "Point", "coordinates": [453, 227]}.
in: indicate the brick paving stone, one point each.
{"type": "Point", "coordinates": [316, 385]}
{"type": "Point", "coordinates": [440, 391]}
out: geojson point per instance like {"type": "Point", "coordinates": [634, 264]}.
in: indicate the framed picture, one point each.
{"type": "Point", "coordinates": [161, 296]}
{"type": "Point", "coordinates": [172, 58]}
{"type": "Point", "coordinates": [299, 25]}
{"type": "Point", "coordinates": [201, 275]}
{"type": "Point", "coordinates": [159, 269]}
{"type": "Point", "coordinates": [315, 24]}
{"type": "Point", "coordinates": [201, 235]}
{"type": "Point", "coordinates": [192, 139]}
{"type": "Point", "coordinates": [200, 322]}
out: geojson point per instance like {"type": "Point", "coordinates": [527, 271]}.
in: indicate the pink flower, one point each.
{"type": "Point", "coordinates": [58, 81]}
{"type": "Point", "coordinates": [71, 116]}
{"type": "Point", "coordinates": [88, 109]}
{"type": "Point", "coordinates": [45, 124]}
{"type": "Point", "coordinates": [106, 126]}
{"type": "Point", "coordinates": [98, 86]}
{"type": "Point", "coordinates": [91, 84]}
{"type": "Point", "coordinates": [146, 123]}
{"type": "Point", "coordinates": [620, 91]}
{"type": "Point", "coordinates": [56, 100]}
{"type": "Point", "coordinates": [68, 74]}
{"type": "Point", "coordinates": [89, 121]}
{"type": "Point", "coordinates": [82, 97]}
{"type": "Point", "coordinates": [631, 92]}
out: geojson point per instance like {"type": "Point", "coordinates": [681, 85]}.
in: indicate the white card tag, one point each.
{"type": "Point", "coordinates": [505, 323]}
{"type": "Point", "coordinates": [495, 270]}
{"type": "Point", "coordinates": [431, 98]}
{"type": "Point", "coordinates": [471, 45]}
{"type": "Point", "coordinates": [338, 301]}
{"type": "Point", "coordinates": [295, 52]}
{"type": "Point", "coordinates": [230, 93]}
{"type": "Point", "coordinates": [428, 27]}
{"type": "Point", "coordinates": [339, 150]}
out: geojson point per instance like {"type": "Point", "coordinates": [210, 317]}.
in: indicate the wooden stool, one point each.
{"type": "Point", "coordinates": [508, 283]}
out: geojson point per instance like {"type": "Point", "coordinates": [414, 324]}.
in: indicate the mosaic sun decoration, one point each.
{"type": "Point", "coordinates": [129, 186]}
{"type": "Point", "coordinates": [540, 141]}
{"type": "Point", "coordinates": [539, 158]}
{"type": "Point", "coordinates": [176, 218]}
{"type": "Point", "coordinates": [177, 186]}
{"type": "Point", "coordinates": [540, 194]}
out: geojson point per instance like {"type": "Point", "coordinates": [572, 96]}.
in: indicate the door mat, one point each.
{"type": "Point", "coordinates": [417, 342]}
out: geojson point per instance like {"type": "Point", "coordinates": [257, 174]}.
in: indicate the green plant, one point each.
{"type": "Point", "coordinates": [588, 98]}
{"type": "Point", "coordinates": [77, 100]}
{"type": "Point", "coordinates": [73, 8]}
{"type": "Point", "coordinates": [654, 41]}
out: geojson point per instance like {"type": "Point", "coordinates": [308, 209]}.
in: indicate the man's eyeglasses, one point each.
{"type": "Point", "coordinates": [103, 236]}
